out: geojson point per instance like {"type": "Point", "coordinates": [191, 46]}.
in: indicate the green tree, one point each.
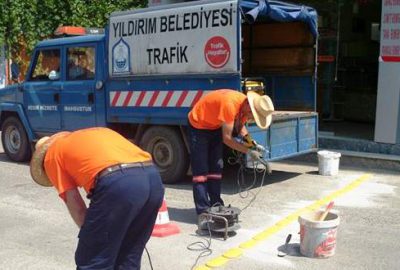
{"type": "Point", "coordinates": [25, 22]}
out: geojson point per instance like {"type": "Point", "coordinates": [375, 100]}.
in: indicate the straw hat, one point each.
{"type": "Point", "coordinates": [38, 172]}
{"type": "Point", "coordinates": [262, 109]}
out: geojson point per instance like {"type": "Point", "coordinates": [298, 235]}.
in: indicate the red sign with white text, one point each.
{"type": "Point", "coordinates": [390, 31]}
{"type": "Point", "coordinates": [217, 52]}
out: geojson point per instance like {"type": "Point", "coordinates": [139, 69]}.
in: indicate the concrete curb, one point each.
{"type": "Point", "coordinates": [358, 145]}
{"type": "Point", "coordinates": [357, 160]}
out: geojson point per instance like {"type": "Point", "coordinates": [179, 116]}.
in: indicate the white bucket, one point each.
{"type": "Point", "coordinates": [318, 238]}
{"type": "Point", "coordinates": [328, 162]}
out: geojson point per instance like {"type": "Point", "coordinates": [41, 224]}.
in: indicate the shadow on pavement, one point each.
{"type": "Point", "coordinates": [4, 158]}
{"type": "Point", "coordinates": [184, 215]}
{"type": "Point", "coordinates": [292, 250]}
{"type": "Point", "coordinates": [250, 179]}
{"type": "Point", "coordinates": [313, 173]}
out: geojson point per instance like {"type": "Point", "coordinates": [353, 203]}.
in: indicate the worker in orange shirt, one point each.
{"type": "Point", "coordinates": [218, 118]}
{"type": "Point", "coordinates": [123, 185]}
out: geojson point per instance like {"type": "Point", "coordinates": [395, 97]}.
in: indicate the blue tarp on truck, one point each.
{"type": "Point", "coordinates": [281, 12]}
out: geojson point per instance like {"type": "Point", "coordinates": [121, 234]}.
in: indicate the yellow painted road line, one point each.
{"type": "Point", "coordinates": [279, 225]}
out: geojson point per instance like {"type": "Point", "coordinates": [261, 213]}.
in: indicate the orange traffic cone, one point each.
{"type": "Point", "coordinates": [163, 227]}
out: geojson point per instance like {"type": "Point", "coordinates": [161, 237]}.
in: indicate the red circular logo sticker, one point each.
{"type": "Point", "coordinates": [217, 52]}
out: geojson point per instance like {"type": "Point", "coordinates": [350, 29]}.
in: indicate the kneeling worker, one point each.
{"type": "Point", "coordinates": [215, 119]}
{"type": "Point", "coordinates": [122, 183]}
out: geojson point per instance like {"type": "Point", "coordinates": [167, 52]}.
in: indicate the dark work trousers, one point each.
{"type": "Point", "coordinates": [206, 148]}
{"type": "Point", "coordinates": [120, 219]}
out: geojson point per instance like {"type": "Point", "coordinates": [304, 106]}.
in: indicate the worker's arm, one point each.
{"type": "Point", "coordinates": [76, 206]}
{"type": "Point", "coordinates": [243, 131]}
{"type": "Point", "coordinates": [230, 141]}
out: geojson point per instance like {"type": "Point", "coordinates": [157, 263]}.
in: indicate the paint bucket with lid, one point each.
{"type": "Point", "coordinates": [318, 238]}
{"type": "Point", "coordinates": [328, 162]}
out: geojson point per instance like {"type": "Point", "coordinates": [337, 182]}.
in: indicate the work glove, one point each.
{"type": "Point", "coordinates": [254, 155]}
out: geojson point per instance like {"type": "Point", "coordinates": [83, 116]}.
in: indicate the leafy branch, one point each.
{"type": "Point", "coordinates": [25, 22]}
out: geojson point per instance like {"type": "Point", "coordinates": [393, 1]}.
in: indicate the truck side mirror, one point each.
{"type": "Point", "coordinates": [14, 72]}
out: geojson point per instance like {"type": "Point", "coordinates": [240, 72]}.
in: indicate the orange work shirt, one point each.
{"type": "Point", "coordinates": [74, 159]}
{"type": "Point", "coordinates": [216, 108]}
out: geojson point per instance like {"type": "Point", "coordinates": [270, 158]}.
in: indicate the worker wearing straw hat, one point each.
{"type": "Point", "coordinates": [218, 118]}
{"type": "Point", "coordinates": [124, 187]}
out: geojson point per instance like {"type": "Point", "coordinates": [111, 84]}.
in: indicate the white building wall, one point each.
{"type": "Point", "coordinates": [387, 129]}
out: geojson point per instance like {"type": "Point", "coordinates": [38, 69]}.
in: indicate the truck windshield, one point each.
{"type": "Point", "coordinates": [47, 63]}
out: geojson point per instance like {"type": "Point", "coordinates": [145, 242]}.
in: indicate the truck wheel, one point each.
{"type": "Point", "coordinates": [15, 141]}
{"type": "Point", "coordinates": [169, 153]}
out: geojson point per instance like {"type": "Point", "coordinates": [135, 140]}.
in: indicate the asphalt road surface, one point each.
{"type": "Point", "coordinates": [36, 231]}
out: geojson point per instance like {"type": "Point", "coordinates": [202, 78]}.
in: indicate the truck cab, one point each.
{"type": "Point", "coordinates": [59, 93]}
{"type": "Point", "coordinates": [64, 77]}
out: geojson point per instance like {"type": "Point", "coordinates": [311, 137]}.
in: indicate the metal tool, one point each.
{"type": "Point", "coordinates": [262, 149]}
{"type": "Point", "coordinates": [259, 147]}
{"type": "Point", "coordinates": [283, 253]}
{"type": "Point", "coordinates": [222, 219]}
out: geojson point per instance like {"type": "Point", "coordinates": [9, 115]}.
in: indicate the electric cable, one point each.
{"type": "Point", "coordinates": [246, 190]}
{"type": "Point", "coordinates": [148, 255]}
{"type": "Point", "coordinates": [203, 246]}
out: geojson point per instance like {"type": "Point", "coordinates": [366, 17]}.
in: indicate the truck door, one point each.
{"type": "Point", "coordinates": [78, 92]}
{"type": "Point", "coordinates": [42, 91]}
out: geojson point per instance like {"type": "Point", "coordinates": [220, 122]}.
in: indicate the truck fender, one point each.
{"type": "Point", "coordinates": [17, 108]}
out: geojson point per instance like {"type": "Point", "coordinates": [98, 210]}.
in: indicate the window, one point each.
{"type": "Point", "coordinates": [81, 63]}
{"type": "Point", "coordinates": [47, 66]}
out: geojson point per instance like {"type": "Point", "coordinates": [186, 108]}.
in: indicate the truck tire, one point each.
{"type": "Point", "coordinates": [15, 141]}
{"type": "Point", "coordinates": [169, 153]}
